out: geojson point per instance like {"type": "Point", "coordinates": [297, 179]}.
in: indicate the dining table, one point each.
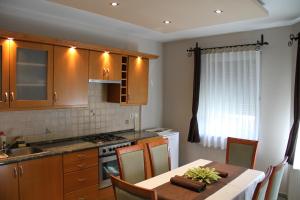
{"type": "Point", "coordinates": [239, 185]}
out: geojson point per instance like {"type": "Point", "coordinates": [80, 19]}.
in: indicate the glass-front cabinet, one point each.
{"type": "Point", "coordinates": [4, 74]}
{"type": "Point", "coordinates": [31, 75]}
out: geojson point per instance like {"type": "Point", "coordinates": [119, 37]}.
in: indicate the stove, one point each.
{"type": "Point", "coordinates": [108, 164]}
{"type": "Point", "coordinates": [104, 137]}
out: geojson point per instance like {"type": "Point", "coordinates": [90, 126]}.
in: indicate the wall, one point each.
{"type": "Point", "coordinates": [275, 94]}
{"type": "Point", "coordinates": [99, 117]}
{"type": "Point", "coordinates": [52, 20]}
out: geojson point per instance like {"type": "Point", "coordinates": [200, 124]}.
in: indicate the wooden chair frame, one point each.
{"type": "Point", "coordinates": [254, 143]}
{"type": "Point", "coordinates": [155, 144]}
{"type": "Point", "coordinates": [262, 183]}
{"type": "Point", "coordinates": [144, 142]}
{"type": "Point", "coordinates": [135, 190]}
{"type": "Point", "coordinates": [129, 149]}
{"type": "Point", "coordinates": [274, 170]}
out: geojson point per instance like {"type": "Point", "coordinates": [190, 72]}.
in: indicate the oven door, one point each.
{"type": "Point", "coordinates": [108, 166]}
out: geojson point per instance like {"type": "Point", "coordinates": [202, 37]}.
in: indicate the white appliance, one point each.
{"type": "Point", "coordinates": [173, 138]}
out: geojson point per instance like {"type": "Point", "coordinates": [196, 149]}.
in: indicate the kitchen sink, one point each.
{"type": "Point", "coordinates": [23, 151]}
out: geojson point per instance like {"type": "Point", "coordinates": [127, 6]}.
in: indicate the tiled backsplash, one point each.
{"type": "Point", "coordinates": [99, 117]}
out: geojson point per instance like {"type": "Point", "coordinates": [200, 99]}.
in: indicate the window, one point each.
{"type": "Point", "coordinates": [229, 96]}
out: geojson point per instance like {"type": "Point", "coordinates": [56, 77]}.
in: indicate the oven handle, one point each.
{"type": "Point", "coordinates": [108, 158]}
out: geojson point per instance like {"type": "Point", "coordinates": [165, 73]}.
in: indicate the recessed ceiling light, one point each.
{"type": "Point", "coordinates": [114, 4]}
{"type": "Point", "coordinates": [218, 11]}
{"type": "Point", "coordinates": [167, 22]}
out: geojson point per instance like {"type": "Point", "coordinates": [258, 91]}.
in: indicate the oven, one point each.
{"type": "Point", "coordinates": [108, 164]}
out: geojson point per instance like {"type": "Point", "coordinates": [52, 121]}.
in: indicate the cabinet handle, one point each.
{"type": "Point", "coordinates": [6, 97]}
{"type": "Point", "coordinates": [81, 156]}
{"type": "Point", "coordinates": [15, 172]}
{"type": "Point", "coordinates": [54, 96]}
{"type": "Point", "coordinates": [81, 179]}
{"type": "Point", "coordinates": [81, 198]}
{"type": "Point", "coordinates": [12, 96]}
{"type": "Point", "coordinates": [21, 170]}
{"type": "Point", "coordinates": [81, 165]}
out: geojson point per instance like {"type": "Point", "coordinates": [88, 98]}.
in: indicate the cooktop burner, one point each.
{"type": "Point", "coordinates": [105, 137]}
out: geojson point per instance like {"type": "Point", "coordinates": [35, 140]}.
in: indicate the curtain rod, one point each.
{"type": "Point", "coordinates": [262, 42]}
{"type": "Point", "coordinates": [293, 38]}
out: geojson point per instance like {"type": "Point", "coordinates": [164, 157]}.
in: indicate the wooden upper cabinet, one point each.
{"type": "Point", "coordinates": [9, 182]}
{"type": "Point", "coordinates": [137, 79]}
{"type": "Point", "coordinates": [4, 74]}
{"type": "Point", "coordinates": [70, 77]}
{"type": "Point", "coordinates": [104, 66]}
{"type": "Point", "coordinates": [31, 74]}
{"type": "Point", "coordinates": [41, 179]}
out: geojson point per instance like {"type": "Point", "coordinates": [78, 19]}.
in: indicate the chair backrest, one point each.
{"type": "Point", "coordinates": [275, 180]}
{"type": "Point", "coordinates": [147, 156]}
{"type": "Point", "coordinates": [241, 152]}
{"type": "Point", "coordinates": [126, 191]}
{"type": "Point", "coordinates": [261, 187]}
{"type": "Point", "coordinates": [132, 163]}
{"type": "Point", "coordinates": [159, 157]}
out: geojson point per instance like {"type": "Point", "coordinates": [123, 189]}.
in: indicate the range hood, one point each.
{"type": "Point", "coordinates": [104, 81]}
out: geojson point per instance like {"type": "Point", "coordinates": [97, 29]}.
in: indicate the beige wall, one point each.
{"type": "Point", "coordinates": [276, 79]}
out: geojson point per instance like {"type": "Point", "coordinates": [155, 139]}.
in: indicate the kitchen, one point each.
{"type": "Point", "coordinates": [86, 87]}
{"type": "Point", "coordinates": [91, 121]}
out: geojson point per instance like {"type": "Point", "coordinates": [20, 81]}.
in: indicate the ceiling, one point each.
{"type": "Point", "coordinates": [184, 15]}
{"type": "Point", "coordinates": [143, 18]}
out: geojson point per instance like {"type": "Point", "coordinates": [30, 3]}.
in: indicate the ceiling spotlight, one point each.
{"type": "Point", "coordinates": [167, 22]}
{"type": "Point", "coordinates": [218, 11]}
{"type": "Point", "coordinates": [10, 39]}
{"type": "Point", "coordinates": [72, 47]}
{"type": "Point", "coordinates": [114, 4]}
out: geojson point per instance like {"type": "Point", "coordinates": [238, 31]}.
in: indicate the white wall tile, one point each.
{"type": "Point", "coordinates": [99, 117]}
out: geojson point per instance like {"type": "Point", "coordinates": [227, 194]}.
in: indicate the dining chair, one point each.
{"type": "Point", "coordinates": [131, 162]}
{"type": "Point", "coordinates": [275, 180]}
{"type": "Point", "coordinates": [147, 156]}
{"type": "Point", "coordinates": [241, 152]}
{"type": "Point", "coordinates": [159, 157]}
{"type": "Point", "coordinates": [261, 187]}
{"type": "Point", "coordinates": [126, 191]}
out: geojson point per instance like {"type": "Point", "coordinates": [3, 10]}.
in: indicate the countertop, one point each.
{"type": "Point", "coordinates": [68, 145]}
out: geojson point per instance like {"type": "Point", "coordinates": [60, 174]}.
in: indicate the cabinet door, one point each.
{"type": "Point", "coordinates": [138, 70]}
{"type": "Point", "coordinates": [104, 66]}
{"type": "Point", "coordinates": [31, 74]}
{"type": "Point", "coordinates": [4, 74]}
{"type": "Point", "coordinates": [70, 77]}
{"type": "Point", "coordinates": [9, 182]}
{"type": "Point", "coordinates": [41, 179]}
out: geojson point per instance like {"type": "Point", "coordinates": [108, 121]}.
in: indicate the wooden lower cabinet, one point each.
{"type": "Point", "coordinates": [9, 182]}
{"type": "Point", "coordinates": [81, 175]}
{"type": "Point", "coordinates": [88, 193]}
{"type": "Point", "coordinates": [41, 179]}
{"type": "Point", "coordinates": [80, 179]}
{"type": "Point", "coordinates": [106, 194]}
{"type": "Point", "coordinates": [32, 180]}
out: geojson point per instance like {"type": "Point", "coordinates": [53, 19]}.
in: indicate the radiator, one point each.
{"type": "Point", "coordinates": [294, 185]}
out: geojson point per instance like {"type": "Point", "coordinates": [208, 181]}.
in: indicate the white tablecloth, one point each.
{"type": "Point", "coordinates": [241, 188]}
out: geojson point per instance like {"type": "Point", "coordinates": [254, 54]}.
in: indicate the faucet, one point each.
{"type": "Point", "coordinates": [14, 142]}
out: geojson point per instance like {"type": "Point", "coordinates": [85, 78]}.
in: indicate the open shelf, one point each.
{"type": "Point", "coordinates": [26, 64]}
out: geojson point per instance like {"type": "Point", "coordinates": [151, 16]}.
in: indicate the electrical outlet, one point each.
{"type": "Point", "coordinates": [127, 121]}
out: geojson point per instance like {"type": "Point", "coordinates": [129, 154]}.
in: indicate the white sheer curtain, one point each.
{"type": "Point", "coordinates": [229, 96]}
